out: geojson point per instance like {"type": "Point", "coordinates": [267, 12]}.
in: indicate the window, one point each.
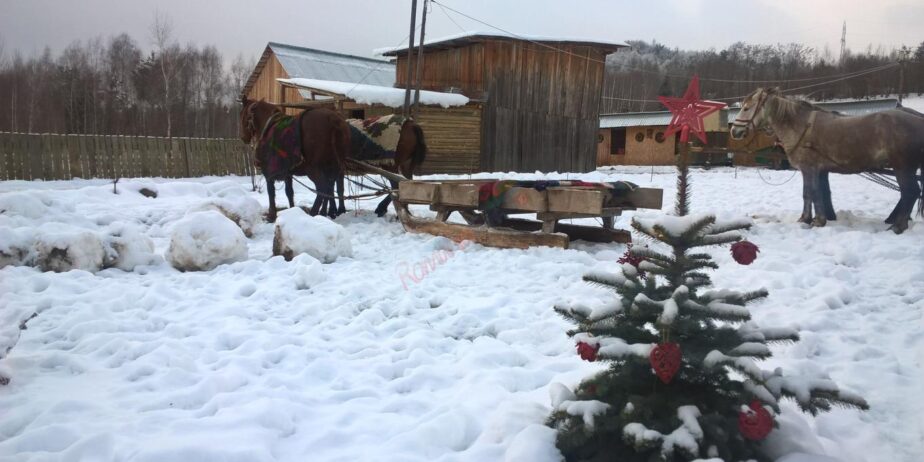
{"type": "Point", "coordinates": [618, 141]}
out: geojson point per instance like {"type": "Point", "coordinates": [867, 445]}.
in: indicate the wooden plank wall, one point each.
{"type": "Point", "coordinates": [453, 136]}
{"type": "Point", "coordinates": [63, 157]}
{"type": "Point", "coordinates": [543, 107]}
{"type": "Point", "coordinates": [267, 87]}
{"type": "Point", "coordinates": [461, 68]}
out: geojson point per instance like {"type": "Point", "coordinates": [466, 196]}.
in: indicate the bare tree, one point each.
{"type": "Point", "coordinates": [168, 54]}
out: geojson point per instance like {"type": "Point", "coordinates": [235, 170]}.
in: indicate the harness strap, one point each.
{"type": "Point", "coordinates": [808, 128]}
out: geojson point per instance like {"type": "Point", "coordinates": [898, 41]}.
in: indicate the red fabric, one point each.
{"type": "Point", "coordinates": [755, 423]}
{"type": "Point", "coordinates": [744, 252]}
{"type": "Point", "coordinates": [665, 360]}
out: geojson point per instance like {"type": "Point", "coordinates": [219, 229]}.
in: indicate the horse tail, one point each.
{"type": "Point", "coordinates": [420, 149]}
{"type": "Point", "coordinates": [340, 143]}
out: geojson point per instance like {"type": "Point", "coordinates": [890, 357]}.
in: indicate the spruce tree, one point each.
{"type": "Point", "coordinates": [683, 381]}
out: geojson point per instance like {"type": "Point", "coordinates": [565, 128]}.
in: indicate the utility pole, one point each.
{"type": "Point", "coordinates": [903, 54]}
{"type": "Point", "coordinates": [410, 52]}
{"type": "Point", "coordinates": [843, 43]}
{"type": "Point", "coordinates": [420, 52]}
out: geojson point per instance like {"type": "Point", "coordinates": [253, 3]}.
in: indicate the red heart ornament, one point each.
{"type": "Point", "coordinates": [588, 352]}
{"type": "Point", "coordinates": [744, 252]}
{"type": "Point", "coordinates": [665, 360]}
{"type": "Point", "coordinates": [755, 423]}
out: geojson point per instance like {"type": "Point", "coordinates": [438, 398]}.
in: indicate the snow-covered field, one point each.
{"type": "Point", "coordinates": [417, 348]}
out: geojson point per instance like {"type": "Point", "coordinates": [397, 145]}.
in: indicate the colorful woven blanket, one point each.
{"type": "Point", "coordinates": [280, 147]}
{"type": "Point", "coordinates": [375, 140]}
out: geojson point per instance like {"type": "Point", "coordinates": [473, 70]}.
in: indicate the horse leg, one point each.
{"type": "Point", "coordinates": [290, 191]}
{"type": "Point", "coordinates": [271, 192]}
{"type": "Point", "coordinates": [332, 211]}
{"type": "Point", "coordinates": [908, 185]}
{"type": "Point", "coordinates": [825, 188]}
{"type": "Point", "coordinates": [342, 209]}
{"type": "Point", "coordinates": [808, 181]}
{"type": "Point", "coordinates": [818, 202]}
{"type": "Point", "coordinates": [382, 208]}
{"type": "Point", "coordinates": [318, 185]}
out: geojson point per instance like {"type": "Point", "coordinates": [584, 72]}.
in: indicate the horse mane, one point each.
{"type": "Point", "coordinates": [785, 108]}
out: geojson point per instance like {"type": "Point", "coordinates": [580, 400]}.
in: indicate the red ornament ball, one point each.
{"type": "Point", "coordinates": [665, 360]}
{"type": "Point", "coordinates": [744, 252]}
{"type": "Point", "coordinates": [755, 423]}
{"type": "Point", "coordinates": [587, 351]}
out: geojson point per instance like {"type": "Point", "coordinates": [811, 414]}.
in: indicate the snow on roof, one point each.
{"type": "Point", "coordinates": [464, 38]}
{"type": "Point", "coordinates": [375, 94]}
{"type": "Point", "coordinates": [302, 62]}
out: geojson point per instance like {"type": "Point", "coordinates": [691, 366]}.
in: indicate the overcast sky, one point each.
{"type": "Point", "coordinates": [359, 26]}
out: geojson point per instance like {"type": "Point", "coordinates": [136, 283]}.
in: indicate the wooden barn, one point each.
{"type": "Point", "coordinates": [538, 97]}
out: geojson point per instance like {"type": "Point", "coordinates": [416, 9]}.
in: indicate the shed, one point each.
{"type": "Point", "coordinates": [539, 96]}
{"type": "Point", "coordinates": [281, 61]}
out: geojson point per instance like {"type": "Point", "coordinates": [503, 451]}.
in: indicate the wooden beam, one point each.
{"type": "Point", "coordinates": [574, 232]}
{"type": "Point", "coordinates": [492, 237]}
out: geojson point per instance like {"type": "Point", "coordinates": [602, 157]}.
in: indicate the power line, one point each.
{"type": "Point", "coordinates": [678, 76]}
{"type": "Point", "coordinates": [787, 90]}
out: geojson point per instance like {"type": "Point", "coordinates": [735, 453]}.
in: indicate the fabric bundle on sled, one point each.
{"type": "Point", "coordinates": [375, 140]}
{"type": "Point", "coordinates": [279, 150]}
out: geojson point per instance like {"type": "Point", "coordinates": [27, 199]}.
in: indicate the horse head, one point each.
{"type": "Point", "coordinates": [254, 114]}
{"type": "Point", "coordinates": [753, 114]}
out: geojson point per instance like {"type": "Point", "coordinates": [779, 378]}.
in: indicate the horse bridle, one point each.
{"type": "Point", "coordinates": [749, 123]}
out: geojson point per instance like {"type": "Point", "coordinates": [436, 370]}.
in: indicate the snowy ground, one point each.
{"type": "Point", "coordinates": [363, 359]}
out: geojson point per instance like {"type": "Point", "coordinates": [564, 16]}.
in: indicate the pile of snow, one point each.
{"type": "Point", "coordinates": [59, 247]}
{"type": "Point", "coordinates": [244, 211]}
{"type": "Point", "coordinates": [297, 232]}
{"type": "Point", "coordinates": [15, 244]}
{"type": "Point", "coordinates": [374, 94]}
{"type": "Point", "coordinates": [203, 240]}
{"type": "Point", "coordinates": [127, 247]}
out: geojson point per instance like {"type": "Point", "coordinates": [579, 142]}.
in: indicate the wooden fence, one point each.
{"type": "Point", "coordinates": [62, 157]}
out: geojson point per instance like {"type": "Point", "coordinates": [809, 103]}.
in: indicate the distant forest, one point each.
{"type": "Point", "coordinates": [636, 77]}
{"type": "Point", "coordinates": [112, 86]}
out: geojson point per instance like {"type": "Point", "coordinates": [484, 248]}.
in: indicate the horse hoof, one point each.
{"type": "Point", "coordinates": [807, 219]}
{"type": "Point", "coordinates": [898, 227]}
{"type": "Point", "coordinates": [817, 223]}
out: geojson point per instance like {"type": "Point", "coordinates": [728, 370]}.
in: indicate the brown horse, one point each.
{"type": "Point", "coordinates": [818, 141]}
{"type": "Point", "coordinates": [410, 153]}
{"type": "Point", "coordinates": [325, 142]}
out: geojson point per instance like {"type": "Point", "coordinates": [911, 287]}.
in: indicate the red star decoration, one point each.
{"type": "Point", "coordinates": [689, 112]}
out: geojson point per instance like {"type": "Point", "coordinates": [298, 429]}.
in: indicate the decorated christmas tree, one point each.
{"type": "Point", "coordinates": [683, 381]}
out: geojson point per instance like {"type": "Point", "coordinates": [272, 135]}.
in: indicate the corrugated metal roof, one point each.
{"type": "Point", "coordinates": [635, 119]}
{"type": "Point", "coordinates": [644, 119]}
{"type": "Point", "coordinates": [307, 63]}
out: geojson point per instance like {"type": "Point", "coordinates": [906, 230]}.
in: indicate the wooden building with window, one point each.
{"type": "Point", "coordinates": [539, 96]}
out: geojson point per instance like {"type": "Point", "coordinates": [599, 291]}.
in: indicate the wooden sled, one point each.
{"type": "Point", "coordinates": [549, 206]}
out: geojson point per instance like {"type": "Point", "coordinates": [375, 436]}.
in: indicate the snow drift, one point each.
{"type": "Point", "coordinates": [203, 240]}
{"type": "Point", "coordinates": [297, 232]}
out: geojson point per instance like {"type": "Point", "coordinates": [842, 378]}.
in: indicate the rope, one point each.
{"type": "Point", "coordinates": [808, 79]}
{"type": "Point", "coordinates": [776, 184]}
{"type": "Point", "coordinates": [354, 197]}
